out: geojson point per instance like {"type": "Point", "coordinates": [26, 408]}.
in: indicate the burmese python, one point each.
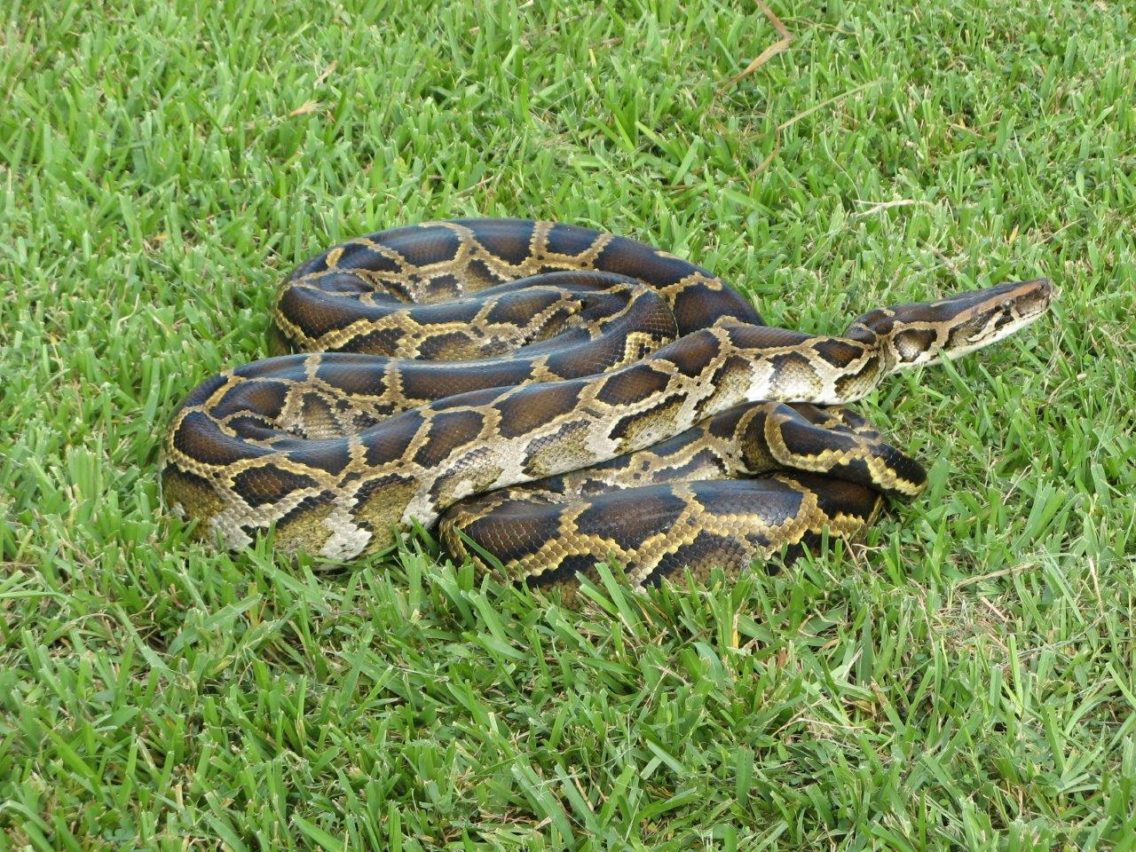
{"type": "Point", "coordinates": [634, 385]}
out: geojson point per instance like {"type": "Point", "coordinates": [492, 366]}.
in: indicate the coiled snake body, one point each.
{"type": "Point", "coordinates": [556, 396]}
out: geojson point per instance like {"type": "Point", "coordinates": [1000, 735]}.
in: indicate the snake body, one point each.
{"type": "Point", "coordinates": [553, 396]}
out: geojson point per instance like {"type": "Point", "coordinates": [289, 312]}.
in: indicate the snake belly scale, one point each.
{"type": "Point", "coordinates": [553, 396]}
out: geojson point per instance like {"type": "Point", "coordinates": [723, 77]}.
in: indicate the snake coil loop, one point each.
{"type": "Point", "coordinates": [553, 396]}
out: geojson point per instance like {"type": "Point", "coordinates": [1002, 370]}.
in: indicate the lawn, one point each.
{"type": "Point", "coordinates": [966, 678]}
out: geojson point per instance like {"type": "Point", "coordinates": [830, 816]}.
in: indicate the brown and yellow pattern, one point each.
{"type": "Point", "coordinates": [553, 396]}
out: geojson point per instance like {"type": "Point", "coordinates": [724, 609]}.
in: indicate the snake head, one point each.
{"type": "Point", "coordinates": [926, 332]}
{"type": "Point", "coordinates": [986, 316]}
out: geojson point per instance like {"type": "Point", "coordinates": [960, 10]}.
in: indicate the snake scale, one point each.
{"type": "Point", "coordinates": [551, 396]}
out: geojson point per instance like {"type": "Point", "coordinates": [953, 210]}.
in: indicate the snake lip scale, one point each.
{"type": "Point", "coordinates": [551, 396]}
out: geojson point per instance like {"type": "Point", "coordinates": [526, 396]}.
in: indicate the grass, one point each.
{"type": "Point", "coordinates": [965, 680]}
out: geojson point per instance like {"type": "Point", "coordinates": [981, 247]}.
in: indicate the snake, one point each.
{"type": "Point", "coordinates": [550, 397]}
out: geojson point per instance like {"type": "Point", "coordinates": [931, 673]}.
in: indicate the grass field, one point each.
{"type": "Point", "coordinates": [967, 679]}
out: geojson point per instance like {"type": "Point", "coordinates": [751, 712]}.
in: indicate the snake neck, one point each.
{"type": "Point", "coordinates": [758, 363]}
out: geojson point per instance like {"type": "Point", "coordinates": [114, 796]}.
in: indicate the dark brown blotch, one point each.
{"type": "Point", "coordinates": [570, 240]}
{"type": "Point", "coordinates": [354, 377]}
{"type": "Point", "coordinates": [725, 423]}
{"type": "Point", "coordinates": [513, 530]}
{"type": "Point", "coordinates": [558, 449]}
{"type": "Point", "coordinates": [317, 313]}
{"type": "Point", "coordinates": [423, 245]}
{"type": "Point", "coordinates": [841, 497]}
{"type": "Point", "coordinates": [253, 428]}
{"type": "Point", "coordinates": [362, 256]}
{"type": "Point", "coordinates": [804, 439]}
{"type": "Point", "coordinates": [389, 441]}
{"type": "Point", "coordinates": [460, 310]}
{"type": "Point", "coordinates": [423, 382]}
{"type": "Point", "coordinates": [444, 286]}
{"type": "Point", "coordinates": [853, 469]}
{"type": "Point", "coordinates": [330, 456]}
{"type": "Point", "coordinates": [509, 240]}
{"type": "Point", "coordinates": [630, 426]}
{"type": "Point", "coordinates": [703, 465]}
{"type": "Point", "coordinates": [857, 469]}
{"type": "Point", "coordinates": [531, 408]}
{"type": "Point", "coordinates": [735, 370]}
{"type": "Point", "coordinates": [265, 398]}
{"type": "Point", "coordinates": [774, 502]}
{"type": "Point", "coordinates": [848, 384]}
{"type": "Point", "coordinates": [631, 517]}
{"type": "Point", "coordinates": [880, 321]}
{"type": "Point", "coordinates": [697, 306]}
{"type": "Point", "coordinates": [835, 351]}
{"type": "Point", "coordinates": [961, 336]}
{"type": "Point", "coordinates": [471, 399]}
{"type": "Point", "coordinates": [764, 337]}
{"type": "Point", "coordinates": [269, 484]}
{"type": "Point", "coordinates": [695, 354]}
{"type": "Point", "coordinates": [449, 431]}
{"type": "Point", "coordinates": [925, 311]}
{"type": "Point", "coordinates": [520, 308]}
{"type": "Point", "coordinates": [632, 384]}
{"type": "Point", "coordinates": [280, 367]}
{"type": "Point", "coordinates": [792, 364]}
{"type": "Point", "coordinates": [596, 356]}
{"type": "Point", "coordinates": [666, 450]}
{"type": "Point", "coordinates": [479, 276]}
{"type": "Point", "coordinates": [200, 438]}
{"type": "Point", "coordinates": [636, 260]}
{"type": "Point", "coordinates": [319, 414]}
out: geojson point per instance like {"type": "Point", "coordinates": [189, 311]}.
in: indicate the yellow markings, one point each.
{"type": "Point", "coordinates": [382, 511]}
{"type": "Point", "coordinates": [192, 497]}
{"type": "Point", "coordinates": [306, 531]}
